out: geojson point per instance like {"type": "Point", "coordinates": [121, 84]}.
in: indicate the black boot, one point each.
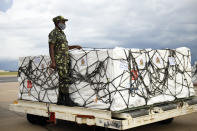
{"type": "Point", "coordinates": [60, 100]}
{"type": "Point", "coordinates": [68, 101]}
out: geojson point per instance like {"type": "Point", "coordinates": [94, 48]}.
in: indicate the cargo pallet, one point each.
{"type": "Point", "coordinates": [104, 118]}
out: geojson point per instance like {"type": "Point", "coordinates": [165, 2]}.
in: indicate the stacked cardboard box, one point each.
{"type": "Point", "coordinates": [113, 79]}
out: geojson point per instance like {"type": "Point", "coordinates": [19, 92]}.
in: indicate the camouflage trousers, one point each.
{"type": "Point", "coordinates": [63, 66]}
{"type": "Point", "coordinates": [64, 75]}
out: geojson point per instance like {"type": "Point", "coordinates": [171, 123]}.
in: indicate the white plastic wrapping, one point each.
{"type": "Point", "coordinates": [118, 78]}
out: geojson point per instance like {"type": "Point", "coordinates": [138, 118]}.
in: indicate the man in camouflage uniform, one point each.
{"type": "Point", "coordinates": [58, 48]}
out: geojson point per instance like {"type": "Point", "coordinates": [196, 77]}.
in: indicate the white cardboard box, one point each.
{"type": "Point", "coordinates": [103, 77]}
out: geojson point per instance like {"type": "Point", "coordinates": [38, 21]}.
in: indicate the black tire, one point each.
{"type": "Point", "coordinates": [167, 121]}
{"type": "Point", "coordinates": [97, 128]}
{"type": "Point", "coordinates": [38, 120]}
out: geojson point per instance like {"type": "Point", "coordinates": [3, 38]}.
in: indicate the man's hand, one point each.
{"type": "Point", "coordinates": [78, 47]}
{"type": "Point", "coordinates": [53, 65]}
{"type": "Point", "coordinates": [75, 46]}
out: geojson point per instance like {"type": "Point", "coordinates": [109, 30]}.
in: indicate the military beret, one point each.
{"type": "Point", "coordinates": [58, 18]}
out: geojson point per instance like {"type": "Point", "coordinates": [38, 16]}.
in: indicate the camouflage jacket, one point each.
{"type": "Point", "coordinates": [58, 38]}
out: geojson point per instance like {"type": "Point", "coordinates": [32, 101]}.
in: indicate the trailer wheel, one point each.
{"type": "Point", "coordinates": [98, 128]}
{"type": "Point", "coordinates": [39, 120]}
{"type": "Point", "coordinates": [167, 121]}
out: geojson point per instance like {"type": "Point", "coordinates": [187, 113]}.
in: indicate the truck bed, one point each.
{"type": "Point", "coordinates": [104, 118]}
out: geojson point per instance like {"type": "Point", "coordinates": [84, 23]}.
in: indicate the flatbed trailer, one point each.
{"type": "Point", "coordinates": [103, 118]}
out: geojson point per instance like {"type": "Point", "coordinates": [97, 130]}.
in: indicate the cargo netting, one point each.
{"type": "Point", "coordinates": [194, 72]}
{"type": "Point", "coordinates": [113, 79]}
{"type": "Point", "coordinates": [194, 75]}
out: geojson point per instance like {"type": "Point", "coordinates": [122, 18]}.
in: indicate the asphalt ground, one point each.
{"type": "Point", "coordinates": [8, 79]}
{"type": "Point", "coordinates": [10, 121]}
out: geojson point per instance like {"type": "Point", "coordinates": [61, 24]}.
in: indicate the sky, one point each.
{"type": "Point", "coordinates": [157, 24]}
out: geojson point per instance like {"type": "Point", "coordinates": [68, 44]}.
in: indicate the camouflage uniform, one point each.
{"type": "Point", "coordinates": [58, 38]}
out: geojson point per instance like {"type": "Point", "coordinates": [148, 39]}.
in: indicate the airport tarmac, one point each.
{"type": "Point", "coordinates": [8, 79]}
{"type": "Point", "coordinates": [10, 121]}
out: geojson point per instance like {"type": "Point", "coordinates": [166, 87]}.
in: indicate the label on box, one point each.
{"type": "Point", "coordinates": [157, 60]}
{"type": "Point", "coordinates": [172, 61]}
{"type": "Point", "coordinates": [141, 62]}
{"type": "Point", "coordinates": [83, 62]}
{"type": "Point", "coordinates": [124, 65]}
{"type": "Point", "coordinates": [42, 66]}
{"type": "Point", "coordinates": [37, 60]}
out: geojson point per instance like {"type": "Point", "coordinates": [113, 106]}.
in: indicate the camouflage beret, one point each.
{"type": "Point", "coordinates": [58, 18]}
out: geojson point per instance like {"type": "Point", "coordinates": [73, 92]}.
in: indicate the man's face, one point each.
{"type": "Point", "coordinates": [62, 21]}
{"type": "Point", "coordinates": [61, 24]}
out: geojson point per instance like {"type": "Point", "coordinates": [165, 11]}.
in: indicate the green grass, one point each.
{"type": "Point", "coordinates": [8, 73]}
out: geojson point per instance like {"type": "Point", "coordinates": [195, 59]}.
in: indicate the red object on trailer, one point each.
{"type": "Point", "coordinates": [52, 117]}
{"type": "Point", "coordinates": [134, 74]}
{"type": "Point", "coordinates": [29, 84]}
